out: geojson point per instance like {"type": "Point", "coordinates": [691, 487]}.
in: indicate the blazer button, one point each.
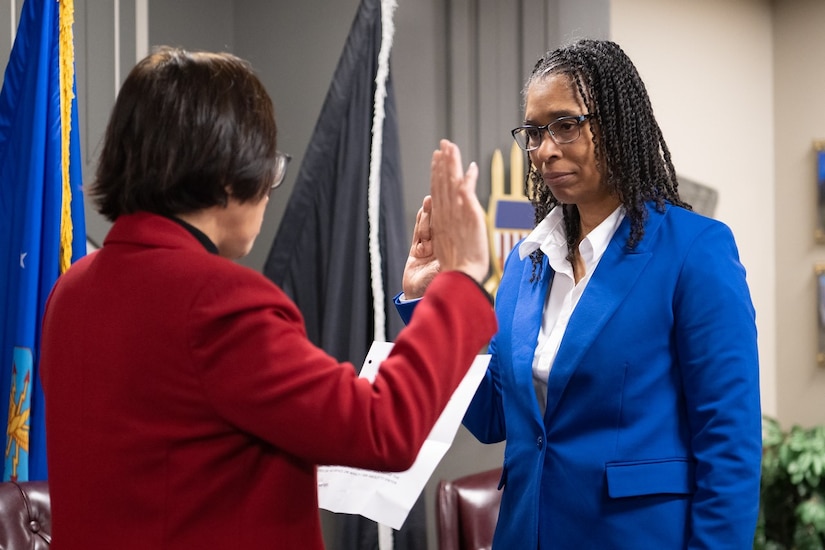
{"type": "Point", "coordinates": [539, 442]}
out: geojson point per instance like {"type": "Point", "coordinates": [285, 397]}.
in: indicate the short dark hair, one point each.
{"type": "Point", "coordinates": [188, 130]}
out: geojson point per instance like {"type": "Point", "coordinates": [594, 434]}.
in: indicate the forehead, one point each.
{"type": "Point", "coordinates": [552, 96]}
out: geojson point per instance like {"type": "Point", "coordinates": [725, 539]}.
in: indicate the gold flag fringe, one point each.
{"type": "Point", "coordinates": [66, 96]}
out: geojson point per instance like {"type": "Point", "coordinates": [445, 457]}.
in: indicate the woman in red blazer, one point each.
{"type": "Point", "coordinates": [186, 407]}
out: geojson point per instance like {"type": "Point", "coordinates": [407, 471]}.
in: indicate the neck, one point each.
{"type": "Point", "coordinates": [204, 221]}
{"type": "Point", "coordinates": [591, 216]}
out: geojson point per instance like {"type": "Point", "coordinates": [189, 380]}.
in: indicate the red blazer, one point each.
{"type": "Point", "coordinates": [186, 408]}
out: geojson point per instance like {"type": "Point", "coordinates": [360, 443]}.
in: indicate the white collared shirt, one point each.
{"type": "Point", "coordinates": [550, 236]}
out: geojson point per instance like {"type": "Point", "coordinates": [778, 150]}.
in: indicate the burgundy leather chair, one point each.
{"type": "Point", "coordinates": [25, 515]}
{"type": "Point", "coordinates": [467, 510]}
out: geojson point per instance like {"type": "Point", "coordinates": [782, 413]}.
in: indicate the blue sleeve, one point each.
{"type": "Point", "coordinates": [405, 308]}
{"type": "Point", "coordinates": [716, 343]}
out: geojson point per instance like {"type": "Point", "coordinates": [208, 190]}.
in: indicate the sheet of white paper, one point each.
{"type": "Point", "coordinates": [384, 497]}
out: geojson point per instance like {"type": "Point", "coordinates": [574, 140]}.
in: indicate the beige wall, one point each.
{"type": "Point", "coordinates": [799, 118]}
{"type": "Point", "coordinates": [737, 86]}
{"type": "Point", "coordinates": [708, 66]}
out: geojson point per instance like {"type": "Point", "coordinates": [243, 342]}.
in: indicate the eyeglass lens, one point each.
{"type": "Point", "coordinates": [562, 130]}
{"type": "Point", "coordinates": [281, 163]}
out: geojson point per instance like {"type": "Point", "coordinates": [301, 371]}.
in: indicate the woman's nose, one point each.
{"type": "Point", "coordinates": [547, 149]}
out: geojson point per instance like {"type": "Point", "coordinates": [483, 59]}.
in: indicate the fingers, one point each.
{"type": "Point", "coordinates": [458, 228]}
{"type": "Point", "coordinates": [422, 265]}
{"type": "Point", "coordinates": [422, 231]}
{"type": "Point", "coordinates": [425, 217]}
{"type": "Point", "coordinates": [469, 181]}
{"type": "Point", "coordinates": [450, 186]}
{"type": "Point", "coordinates": [446, 172]}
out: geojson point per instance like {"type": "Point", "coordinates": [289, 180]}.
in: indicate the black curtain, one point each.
{"type": "Point", "coordinates": [320, 254]}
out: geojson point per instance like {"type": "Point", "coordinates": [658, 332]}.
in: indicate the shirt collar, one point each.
{"type": "Point", "coordinates": [550, 230]}
{"type": "Point", "coordinates": [551, 237]}
{"type": "Point", "coordinates": [598, 239]}
{"type": "Point", "coordinates": [198, 234]}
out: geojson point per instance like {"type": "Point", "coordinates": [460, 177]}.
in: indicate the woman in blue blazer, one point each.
{"type": "Point", "coordinates": [624, 377]}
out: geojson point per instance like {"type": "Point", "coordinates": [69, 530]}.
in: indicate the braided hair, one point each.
{"type": "Point", "coordinates": [629, 145]}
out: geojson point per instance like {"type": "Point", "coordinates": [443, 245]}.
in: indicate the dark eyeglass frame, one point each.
{"type": "Point", "coordinates": [552, 129]}
{"type": "Point", "coordinates": [281, 164]}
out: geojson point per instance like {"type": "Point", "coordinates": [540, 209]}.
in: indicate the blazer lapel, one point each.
{"type": "Point", "coordinates": [529, 308]}
{"type": "Point", "coordinates": [615, 275]}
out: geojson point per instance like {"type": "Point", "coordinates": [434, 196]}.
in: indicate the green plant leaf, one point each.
{"type": "Point", "coordinates": [812, 513]}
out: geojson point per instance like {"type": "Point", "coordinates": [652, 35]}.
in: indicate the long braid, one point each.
{"type": "Point", "coordinates": [613, 92]}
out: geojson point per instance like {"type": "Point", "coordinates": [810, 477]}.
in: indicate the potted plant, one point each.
{"type": "Point", "coordinates": [792, 500]}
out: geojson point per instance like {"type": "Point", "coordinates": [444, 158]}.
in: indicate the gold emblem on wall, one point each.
{"type": "Point", "coordinates": [509, 214]}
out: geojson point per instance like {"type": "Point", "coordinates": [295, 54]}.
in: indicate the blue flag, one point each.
{"type": "Point", "coordinates": [42, 227]}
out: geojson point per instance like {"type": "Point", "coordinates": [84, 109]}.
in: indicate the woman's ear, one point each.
{"type": "Point", "coordinates": [228, 194]}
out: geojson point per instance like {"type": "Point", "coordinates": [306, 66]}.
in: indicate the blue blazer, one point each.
{"type": "Point", "coordinates": [651, 437]}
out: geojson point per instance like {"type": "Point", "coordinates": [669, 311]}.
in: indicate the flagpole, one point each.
{"type": "Point", "coordinates": [13, 18]}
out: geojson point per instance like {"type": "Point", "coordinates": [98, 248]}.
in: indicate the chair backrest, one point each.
{"type": "Point", "coordinates": [25, 515]}
{"type": "Point", "coordinates": [467, 510]}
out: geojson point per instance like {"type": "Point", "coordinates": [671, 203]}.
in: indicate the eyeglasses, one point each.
{"type": "Point", "coordinates": [281, 163]}
{"type": "Point", "coordinates": [566, 129]}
